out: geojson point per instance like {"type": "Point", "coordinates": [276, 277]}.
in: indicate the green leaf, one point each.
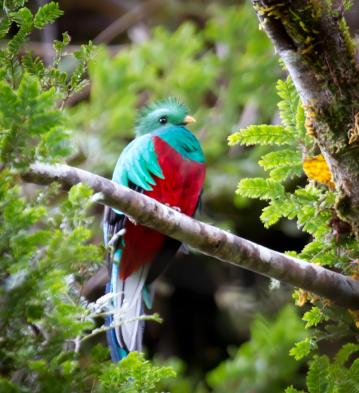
{"type": "Point", "coordinates": [318, 375]}
{"type": "Point", "coordinates": [47, 14]}
{"type": "Point", "coordinates": [345, 352]}
{"type": "Point", "coordinates": [271, 214]}
{"type": "Point", "coordinates": [24, 20]}
{"type": "Point", "coordinates": [261, 135]}
{"type": "Point", "coordinates": [313, 317]}
{"type": "Point", "coordinates": [282, 164]}
{"type": "Point", "coordinates": [28, 91]}
{"type": "Point", "coordinates": [4, 26]}
{"type": "Point", "coordinates": [79, 193]}
{"type": "Point", "coordinates": [354, 373]}
{"type": "Point", "coordinates": [286, 157]}
{"type": "Point", "coordinates": [284, 172]}
{"type": "Point", "coordinates": [8, 104]}
{"type": "Point", "coordinates": [60, 45]}
{"type": "Point", "coordinates": [301, 349]}
{"type": "Point", "coordinates": [34, 66]}
{"type": "Point", "coordinates": [288, 105]}
{"type": "Point", "coordinates": [260, 188]}
{"type": "Point", "coordinates": [85, 53]}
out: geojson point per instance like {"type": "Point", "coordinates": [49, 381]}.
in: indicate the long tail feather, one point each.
{"type": "Point", "coordinates": [117, 353]}
{"type": "Point", "coordinates": [128, 305]}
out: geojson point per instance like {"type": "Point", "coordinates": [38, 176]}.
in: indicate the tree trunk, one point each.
{"type": "Point", "coordinates": [312, 39]}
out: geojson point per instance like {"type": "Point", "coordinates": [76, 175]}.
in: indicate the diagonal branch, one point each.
{"type": "Point", "coordinates": [205, 238]}
{"type": "Point", "coordinates": [122, 24]}
{"type": "Point", "coordinates": [312, 39]}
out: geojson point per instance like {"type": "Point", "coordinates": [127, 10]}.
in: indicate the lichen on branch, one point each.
{"type": "Point", "coordinates": [313, 41]}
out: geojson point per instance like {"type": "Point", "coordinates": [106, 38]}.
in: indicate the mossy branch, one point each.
{"type": "Point", "coordinates": [312, 39]}
{"type": "Point", "coordinates": [203, 237]}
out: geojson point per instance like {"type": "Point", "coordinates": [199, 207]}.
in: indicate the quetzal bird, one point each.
{"type": "Point", "coordinates": [165, 161]}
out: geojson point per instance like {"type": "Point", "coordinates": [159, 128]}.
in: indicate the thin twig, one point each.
{"type": "Point", "coordinates": [122, 24]}
{"type": "Point", "coordinates": [105, 328]}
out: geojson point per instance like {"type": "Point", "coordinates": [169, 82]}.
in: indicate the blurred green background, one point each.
{"type": "Point", "coordinates": [213, 56]}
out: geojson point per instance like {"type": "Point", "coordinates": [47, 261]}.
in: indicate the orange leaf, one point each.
{"type": "Point", "coordinates": [317, 169]}
{"type": "Point", "coordinates": [301, 297]}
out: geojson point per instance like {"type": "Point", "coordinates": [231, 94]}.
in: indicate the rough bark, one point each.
{"type": "Point", "coordinates": [205, 238]}
{"type": "Point", "coordinates": [312, 39]}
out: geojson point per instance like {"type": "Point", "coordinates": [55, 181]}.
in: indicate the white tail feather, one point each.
{"type": "Point", "coordinates": [128, 306]}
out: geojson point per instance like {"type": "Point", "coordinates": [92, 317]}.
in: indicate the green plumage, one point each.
{"type": "Point", "coordinates": [166, 162]}
{"type": "Point", "coordinates": [138, 162]}
{"type": "Point", "coordinates": [148, 119]}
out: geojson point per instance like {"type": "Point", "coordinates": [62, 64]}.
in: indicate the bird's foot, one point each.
{"type": "Point", "coordinates": [178, 209]}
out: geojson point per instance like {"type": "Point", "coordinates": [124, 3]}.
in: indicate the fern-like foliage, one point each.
{"type": "Point", "coordinates": [47, 14]}
{"type": "Point", "coordinates": [27, 114]}
{"type": "Point", "coordinates": [4, 26]}
{"type": "Point", "coordinates": [325, 376]}
{"type": "Point", "coordinates": [32, 94]}
{"type": "Point", "coordinates": [266, 189]}
{"type": "Point", "coordinates": [317, 377]}
{"type": "Point", "coordinates": [282, 164]}
{"type": "Point", "coordinates": [262, 135]}
{"type": "Point", "coordinates": [313, 207]}
{"type": "Point", "coordinates": [134, 374]}
{"type": "Point", "coordinates": [288, 106]}
{"type": "Point", "coordinates": [24, 19]}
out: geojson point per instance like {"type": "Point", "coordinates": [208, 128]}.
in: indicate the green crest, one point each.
{"type": "Point", "coordinates": [160, 115]}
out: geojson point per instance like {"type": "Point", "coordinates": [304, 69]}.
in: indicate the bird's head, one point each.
{"type": "Point", "coordinates": [161, 114]}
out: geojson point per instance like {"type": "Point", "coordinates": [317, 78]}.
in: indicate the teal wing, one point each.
{"type": "Point", "coordinates": [138, 164]}
{"type": "Point", "coordinates": [183, 141]}
{"type": "Point", "coordinates": [138, 168]}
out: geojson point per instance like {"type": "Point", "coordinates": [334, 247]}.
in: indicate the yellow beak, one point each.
{"type": "Point", "coordinates": [189, 119]}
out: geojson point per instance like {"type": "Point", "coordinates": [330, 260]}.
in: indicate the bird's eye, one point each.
{"type": "Point", "coordinates": [163, 120]}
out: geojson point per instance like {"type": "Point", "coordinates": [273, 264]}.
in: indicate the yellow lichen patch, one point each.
{"type": "Point", "coordinates": [307, 50]}
{"type": "Point", "coordinates": [353, 134]}
{"type": "Point", "coordinates": [317, 169]}
{"type": "Point", "coordinates": [309, 119]}
{"type": "Point", "coordinates": [308, 40]}
{"type": "Point", "coordinates": [309, 126]}
{"type": "Point", "coordinates": [303, 26]}
{"type": "Point", "coordinates": [270, 10]}
{"type": "Point", "coordinates": [355, 315]}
